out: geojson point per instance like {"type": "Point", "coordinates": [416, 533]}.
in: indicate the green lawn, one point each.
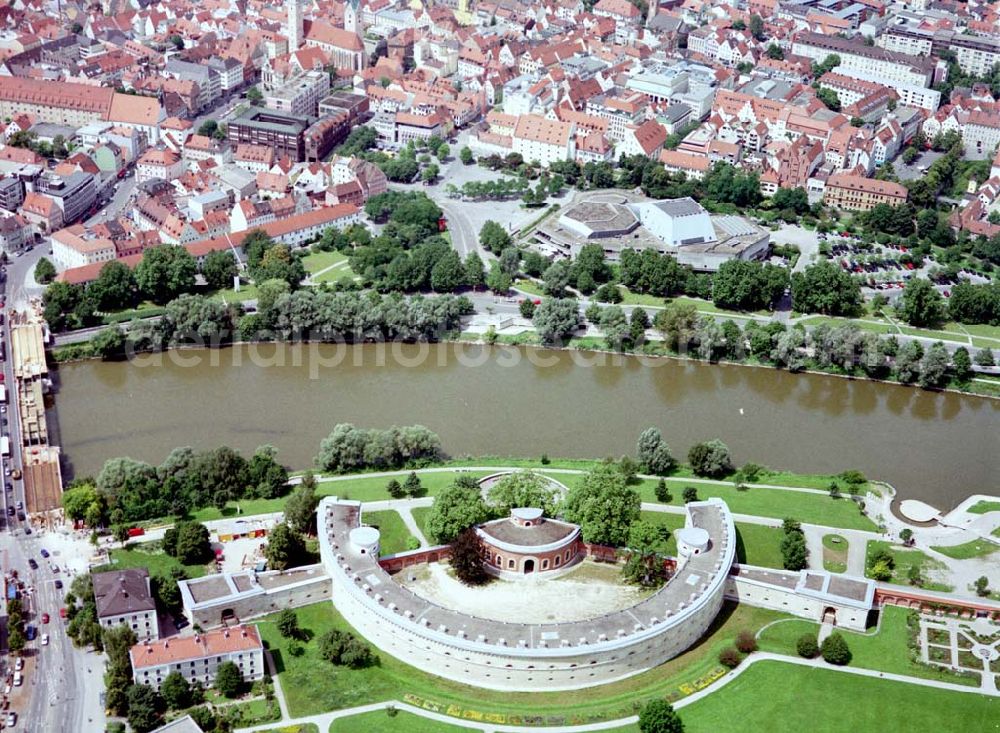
{"type": "Point", "coordinates": [420, 514]}
{"type": "Point", "coordinates": [782, 697]}
{"type": "Point", "coordinates": [394, 533]}
{"type": "Point", "coordinates": [886, 650]}
{"type": "Point", "coordinates": [673, 522]}
{"type": "Point", "coordinates": [757, 544]}
{"type": "Point", "coordinates": [248, 291]}
{"type": "Point", "coordinates": [863, 325]}
{"type": "Point", "coordinates": [906, 558]}
{"type": "Point", "coordinates": [149, 555]}
{"type": "Point", "coordinates": [835, 550]}
{"type": "Point", "coordinates": [969, 550]}
{"type": "Point", "coordinates": [313, 686]}
{"type": "Point", "coordinates": [316, 261]}
{"type": "Point", "coordinates": [338, 272]}
{"type": "Point", "coordinates": [984, 507]}
{"type": "Point", "coordinates": [295, 728]}
{"type": "Point", "coordinates": [379, 721]}
{"type": "Point", "coordinates": [529, 286]}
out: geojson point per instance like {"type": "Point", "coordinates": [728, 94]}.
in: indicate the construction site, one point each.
{"type": "Point", "coordinates": [39, 459]}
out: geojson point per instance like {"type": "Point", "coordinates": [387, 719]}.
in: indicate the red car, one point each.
{"type": "Point", "coordinates": [45, 618]}
{"type": "Point", "coordinates": [62, 612]}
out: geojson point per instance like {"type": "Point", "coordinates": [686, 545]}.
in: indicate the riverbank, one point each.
{"type": "Point", "coordinates": [523, 402]}
{"type": "Point", "coordinates": [983, 385]}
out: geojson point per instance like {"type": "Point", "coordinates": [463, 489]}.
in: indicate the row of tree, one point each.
{"type": "Point", "coordinates": [348, 448]}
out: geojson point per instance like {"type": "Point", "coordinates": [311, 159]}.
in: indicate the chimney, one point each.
{"type": "Point", "coordinates": [243, 632]}
{"type": "Point", "coordinates": [166, 643]}
{"type": "Point", "coordinates": [226, 633]}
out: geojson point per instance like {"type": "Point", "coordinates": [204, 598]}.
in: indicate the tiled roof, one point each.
{"type": "Point", "coordinates": [199, 646]}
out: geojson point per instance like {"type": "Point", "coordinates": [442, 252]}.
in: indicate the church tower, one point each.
{"type": "Point", "coordinates": [351, 10]}
{"type": "Point", "coordinates": [295, 31]}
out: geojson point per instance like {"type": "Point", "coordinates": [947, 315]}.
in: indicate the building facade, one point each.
{"type": "Point", "coordinates": [125, 597]}
{"type": "Point", "coordinates": [198, 657]}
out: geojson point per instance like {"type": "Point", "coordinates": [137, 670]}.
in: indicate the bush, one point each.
{"type": "Point", "coordinates": [343, 648]}
{"type": "Point", "coordinates": [730, 657]}
{"type": "Point", "coordinates": [711, 459]}
{"type": "Point", "coordinates": [746, 642]}
{"type": "Point", "coordinates": [690, 494]}
{"type": "Point", "coordinates": [806, 646]}
{"type": "Point", "coordinates": [663, 492]}
{"type": "Point", "coordinates": [659, 716]}
{"type": "Point", "coordinates": [835, 650]}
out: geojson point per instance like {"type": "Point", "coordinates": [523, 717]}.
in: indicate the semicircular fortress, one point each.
{"type": "Point", "coordinates": [522, 656]}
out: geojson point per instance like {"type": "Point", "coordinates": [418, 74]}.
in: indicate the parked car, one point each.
{"type": "Point", "coordinates": [32, 564]}
{"type": "Point", "coordinates": [19, 664]}
{"type": "Point", "coordinates": [30, 633]}
{"type": "Point", "coordinates": [59, 585]}
{"type": "Point", "coordinates": [11, 719]}
{"type": "Point", "coordinates": [45, 618]}
{"type": "Point", "coordinates": [44, 553]}
{"type": "Point", "coordinates": [45, 639]}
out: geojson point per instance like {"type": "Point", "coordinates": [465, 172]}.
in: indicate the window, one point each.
{"type": "Point", "coordinates": [510, 563]}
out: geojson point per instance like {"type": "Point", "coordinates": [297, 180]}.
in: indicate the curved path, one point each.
{"type": "Point", "coordinates": [324, 720]}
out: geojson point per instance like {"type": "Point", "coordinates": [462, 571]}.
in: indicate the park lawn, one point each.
{"type": "Point", "coordinates": [835, 550]}
{"type": "Point", "coordinates": [313, 686]}
{"type": "Point", "coordinates": [529, 286]}
{"type": "Point", "coordinates": [781, 638]}
{"type": "Point", "coordinates": [758, 544]}
{"type": "Point", "coordinates": [420, 514]}
{"type": "Point", "coordinates": [984, 507]}
{"type": "Point", "coordinates": [864, 325]}
{"type": "Point", "coordinates": [392, 529]}
{"type": "Point", "coordinates": [339, 272]}
{"type": "Point", "coordinates": [316, 261]}
{"type": "Point", "coordinates": [149, 555]}
{"type": "Point", "coordinates": [783, 697]}
{"type": "Point", "coordinates": [968, 550]}
{"type": "Point", "coordinates": [294, 728]}
{"type": "Point", "coordinates": [905, 558]}
{"type": "Point", "coordinates": [254, 712]}
{"type": "Point", "coordinates": [673, 522]}
{"type": "Point", "coordinates": [248, 291]}
{"type": "Point", "coordinates": [982, 330]}
{"type": "Point", "coordinates": [379, 721]}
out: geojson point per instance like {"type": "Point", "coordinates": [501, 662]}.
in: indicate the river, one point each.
{"type": "Point", "coordinates": [939, 447]}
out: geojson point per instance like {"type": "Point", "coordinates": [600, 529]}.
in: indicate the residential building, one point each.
{"type": "Point", "coordinates": [857, 193]}
{"type": "Point", "coordinates": [75, 194]}
{"type": "Point", "coordinates": [283, 132]}
{"type": "Point", "coordinates": [855, 55]}
{"type": "Point", "coordinates": [544, 140]}
{"type": "Point", "coordinates": [199, 656]}
{"type": "Point", "coordinates": [165, 164]}
{"type": "Point", "coordinates": [301, 95]}
{"type": "Point", "coordinates": [125, 597]}
{"type": "Point", "coordinates": [15, 232]}
{"type": "Point", "coordinates": [75, 247]}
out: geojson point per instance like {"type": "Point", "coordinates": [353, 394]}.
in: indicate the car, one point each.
{"type": "Point", "coordinates": [59, 585]}
{"type": "Point", "coordinates": [10, 511]}
{"type": "Point", "coordinates": [45, 639]}
{"type": "Point", "coordinates": [9, 486]}
{"type": "Point", "coordinates": [19, 664]}
{"type": "Point", "coordinates": [27, 530]}
{"type": "Point", "coordinates": [30, 632]}
{"type": "Point", "coordinates": [11, 719]}
{"type": "Point", "coordinates": [45, 618]}
{"type": "Point", "coordinates": [55, 568]}
{"type": "Point", "coordinates": [32, 564]}
{"type": "Point", "coordinates": [44, 552]}
{"type": "Point", "coordinates": [20, 515]}
{"type": "Point", "coordinates": [20, 505]}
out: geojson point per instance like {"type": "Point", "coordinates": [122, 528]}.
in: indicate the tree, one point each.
{"type": "Point", "coordinates": [288, 624]}
{"type": "Point", "coordinates": [497, 280]}
{"type": "Point", "coordinates": [757, 27]}
{"type": "Point", "coordinates": [644, 566]}
{"type": "Point", "coordinates": [730, 657]}
{"type": "Point", "coordinates": [454, 510]}
{"type": "Point", "coordinates": [933, 367]}
{"type": "Point", "coordinates": [192, 544]}
{"type": "Point", "coordinates": [494, 237]}
{"type": "Point", "coordinates": [475, 272]}
{"type": "Point", "coordinates": [109, 343]}
{"type": "Point", "coordinates": [961, 364]}
{"type": "Point", "coordinates": [921, 304]}
{"type": "Point", "coordinates": [343, 648]}
{"type": "Point", "coordinates": [442, 152]}
{"type": "Point", "coordinates": [984, 358]}
{"type": "Point", "coordinates": [663, 492]}
{"type": "Point", "coordinates": [349, 448]}
{"type": "Point", "coordinates": [835, 650]}
{"type": "Point", "coordinates": [285, 548]}
{"type": "Point", "coordinates": [228, 679]}
{"type": "Point", "coordinates": [115, 287]}
{"type": "Point", "coordinates": [794, 553]}
{"type": "Point", "coordinates": [653, 453]}
{"type": "Point", "coordinates": [448, 273]}
{"type": "Point", "coordinates": [556, 277]}
{"type": "Point", "coordinates": [412, 485]}
{"type": "Point", "coordinates": [395, 489]}
{"type": "Point", "coordinates": [145, 708]}
{"type": "Point", "coordinates": [208, 128]}
{"type": "Point", "coordinates": [465, 155]}
{"type": "Point", "coordinates": [219, 269]}
{"type": "Point", "coordinates": [775, 52]}
{"type": "Point", "coordinates": [982, 586]}
{"type": "Point", "coordinates": [603, 505]}
{"type": "Point", "coordinates": [522, 489]}
{"type": "Point", "coordinates": [614, 324]}
{"type": "Point", "coordinates": [430, 173]}
{"type": "Point", "coordinates": [829, 97]}
{"type": "Point", "coordinates": [677, 323]}
{"type": "Point", "coordinates": [556, 319]}
{"type": "Point", "coordinates": [165, 272]}
{"type": "Point", "coordinates": [689, 494]}
{"type": "Point", "coordinates": [824, 287]}
{"type": "Point", "coordinates": [527, 308]}
{"type": "Point", "coordinates": [176, 691]}
{"type": "Point", "coordinates": [742, 285]}
{"type": "Point", "coordinates": [659, 716]}
{"type": "Point", "coordinates": [711, 459]}
{"type": "Point", "coordinates": [806, 646]}
{"type": "Point", "coordinates": [45, 271]}
{"type": "Point", "coordinates": [467, 558]}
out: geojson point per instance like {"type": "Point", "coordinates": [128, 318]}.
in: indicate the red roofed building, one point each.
{"type": "Point", "coordinates": [345, 49]}
{"type": "Point", "coordinates": [198, 657]}
{"type": "Point", "coordinates": [857, 193]}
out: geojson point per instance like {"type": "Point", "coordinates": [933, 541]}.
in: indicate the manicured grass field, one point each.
{"type": "Point", "coordinates": [885, 650]}
{"type": "Point", "coordinates": [835, 550]}
{"type": "Point", "coordinates": [906, 558]}
{"type": "Point", "coordinates": [379, 721]}
{"type": "Point", "coordinates": [295, 728]}
{"type": "Point", "coordinates": [248, 291]}
{"type": "Point", "coordinates": [529, 286]}
{"type": "Point", "coordinates": [783, 697]}
{"type": "Point", "coordinates": [313, 686]}
{"type": "Point", "coordinates": [757, 544]}
{"type": "Point", "coordinates": [968, 550]}
{"type": "Point", "coordinates": [673, 522]}
{"type": "Point", "coordinates": [394, 533]}
{"type": "Point", "coordinates": [983, 507]}
{"type": "Point", "coordinates": [316, 261]}
{"type": "Point", "coordinates": [863, 325]}
{"type": "Point", "coordinates": [149, 555]}
{"type": "Point", "coordinates": [420, 514]}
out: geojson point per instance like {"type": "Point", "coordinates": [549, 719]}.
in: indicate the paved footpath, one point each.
{"type": "Point", "coordinates": [324, 720]}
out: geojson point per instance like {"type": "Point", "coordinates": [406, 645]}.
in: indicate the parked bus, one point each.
{"type": "Point", "coordinates": [5, 446]}
{"type": "Point", "coordinates": [3, 394]}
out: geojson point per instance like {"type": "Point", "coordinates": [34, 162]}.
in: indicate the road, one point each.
{"type": "Point", "coordinates": [60, 693]}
